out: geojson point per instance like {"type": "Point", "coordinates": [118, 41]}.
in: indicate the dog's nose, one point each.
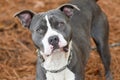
{"type": "Point", "coordinates": [53, 40]}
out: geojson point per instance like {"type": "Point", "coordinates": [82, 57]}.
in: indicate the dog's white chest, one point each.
{"type": "Point", "coordinates": [63, 75]}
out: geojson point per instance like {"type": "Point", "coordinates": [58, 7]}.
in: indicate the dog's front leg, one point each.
{"type": "Point", "coordinates": [79, 77]}
{"type": "Point", "coordinates": [79, 72]}
{"type": "Point", "coordinates": [40, 72]}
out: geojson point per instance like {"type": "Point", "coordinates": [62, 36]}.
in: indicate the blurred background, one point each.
{"type": "Point", "coordinates": [18, 54]}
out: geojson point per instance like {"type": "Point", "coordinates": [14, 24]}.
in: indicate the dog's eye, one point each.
{"type": "Point", "coordinates": [40, 31]}
{"type": "Point", "coordinates": [61, 25]}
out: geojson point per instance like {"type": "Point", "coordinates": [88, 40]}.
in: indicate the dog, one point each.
{"type": "Point", "coordinates": [62, 37]}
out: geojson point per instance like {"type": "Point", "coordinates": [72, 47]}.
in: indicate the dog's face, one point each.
{"type": "Point", "coordinates": [50, 30]}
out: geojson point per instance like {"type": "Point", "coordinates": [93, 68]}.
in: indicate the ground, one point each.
{"type": "Point", "coordinates": [18, 54]}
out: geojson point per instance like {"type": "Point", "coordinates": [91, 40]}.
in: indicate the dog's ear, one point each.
{"type": "Point", "coordinates": [68, 9]}
{"type": "Point", "coordinates": [25, 17]}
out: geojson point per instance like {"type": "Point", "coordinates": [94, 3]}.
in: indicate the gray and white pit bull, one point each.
{"type": "Point", "coordinates": [62, 37]}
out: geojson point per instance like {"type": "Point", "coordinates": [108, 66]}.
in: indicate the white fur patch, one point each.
{"type": "Point", "coordinates": [51, 32]}
{"type": "Point", "coordinates": [55, 62]}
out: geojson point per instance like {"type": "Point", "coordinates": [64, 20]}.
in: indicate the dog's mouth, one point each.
{"type": "Point", "coordinates": [65, 48]}
{"type": "Point", "coordinates": [57, 48]}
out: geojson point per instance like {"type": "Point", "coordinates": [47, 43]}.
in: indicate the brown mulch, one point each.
{"type": "Point", "coordinates": [18, 54]}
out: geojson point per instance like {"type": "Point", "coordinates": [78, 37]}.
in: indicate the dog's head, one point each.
{"type": "Point", "coordinates": [50, 30]}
